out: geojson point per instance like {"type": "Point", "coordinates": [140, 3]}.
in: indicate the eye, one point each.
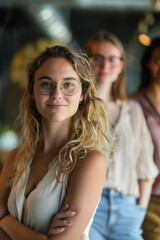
{"type": "Point", "coordinates": [97, 58]}
{"type": "Point", "coordinates": [69, 84]}
{"type": "Point", "coordinates": [114, 60]}
{"type": "Point", "coordinates": [46, 84]}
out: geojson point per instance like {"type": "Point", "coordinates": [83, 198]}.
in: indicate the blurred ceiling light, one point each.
{"type": "Point", "coordinates": [60, 32]}
{"type": "Point", "coordinates": [58, 28]}
{"type": "Point", "coordinates": [120, 4]}
{"type": "Point", "coordinates": [46, 14]}
{"type": "Point", "coordinates": [53, 22]}
{"type": "Point", "coordinates": [144, 39]}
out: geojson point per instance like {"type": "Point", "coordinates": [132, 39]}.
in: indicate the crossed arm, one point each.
{"type": "Point", "coordinates": [85, 186]}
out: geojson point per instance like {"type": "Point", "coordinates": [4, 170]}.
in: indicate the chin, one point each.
{"type": "Point", "coordinates": [60, 119]}
{"type": "Point", "coordinates": [104, 79]}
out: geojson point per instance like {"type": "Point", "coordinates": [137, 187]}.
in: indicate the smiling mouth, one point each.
{"type": "Point", "coordinates": [56, 106]}
{"type": "Point", "coordinates": [103, 74]}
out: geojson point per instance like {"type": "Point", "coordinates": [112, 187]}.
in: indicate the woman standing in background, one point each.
{"type": "Point", "coordinates": [149, 98]}
{"type": "Point", "coordinates": [129, 179]}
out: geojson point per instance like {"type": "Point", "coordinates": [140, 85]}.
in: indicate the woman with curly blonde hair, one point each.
{"type": "Point", "coordinates": [60, 161]}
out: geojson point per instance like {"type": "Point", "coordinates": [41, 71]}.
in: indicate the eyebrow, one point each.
{"type": "Point", "coordinates": [100, 55]}
{"type": "Point", "coordinates": [45, 77]}
{"type": "Point", "coordinates": [49, 78]}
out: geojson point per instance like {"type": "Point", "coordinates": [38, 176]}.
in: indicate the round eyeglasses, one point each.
{"type": "Point", "coordinates": [68, 87]}
{"type": "Point", "coordinates": [98, 59]}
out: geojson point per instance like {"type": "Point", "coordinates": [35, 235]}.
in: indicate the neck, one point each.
{"type": "Point", "coordinates": [153, 93]}
{"type": "Point", "coordinates": [104, 92]}
{"type": "Point", "coordinates": [54, 135]}
{"type": "Point", "coordinates": [154, 90]}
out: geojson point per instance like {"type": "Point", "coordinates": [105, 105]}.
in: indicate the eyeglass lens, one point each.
{"type": "Point", "coordinates": [68, 87]}
{"type": "Point", "coordinates": [99, 59]}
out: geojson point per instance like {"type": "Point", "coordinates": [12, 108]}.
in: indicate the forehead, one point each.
{"type": "Point", "coordinates": [105, 48]}
{"type": "Point", "coordinates": [56, 67]}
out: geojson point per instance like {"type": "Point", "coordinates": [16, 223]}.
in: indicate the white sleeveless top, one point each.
{"type": "Point", "coordinates": [38, 210]}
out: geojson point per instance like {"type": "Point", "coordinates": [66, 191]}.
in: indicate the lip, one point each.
{"type": "Point", "coordinates": [56, 106]}
{"type": "Point", "coordinates": [103, 74]}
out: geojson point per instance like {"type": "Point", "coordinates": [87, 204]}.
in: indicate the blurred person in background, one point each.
{"type": "Point", "coordinates": [60, 160]}
{"type": "Point", "coordinates": [128, 183]}
{"type": "Point", "coordinates": [148, 96]}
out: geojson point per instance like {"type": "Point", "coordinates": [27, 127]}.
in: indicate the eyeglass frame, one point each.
{"type": "Point", "coordinates": [103, 59]}
{"type": "Point", "coordinates": [59, 83]}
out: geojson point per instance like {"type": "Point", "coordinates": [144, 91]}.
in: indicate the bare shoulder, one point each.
{"type": "Point", "coordinates": [87, 177]}
{"type": "Point", "coordinates": [96, 157]}
{"type": "Point", "coordinates": [89, 169]}
{"type": "Point", "coordinates": [9, 160]}
{"type": "Point", "coordinates": [93, 160]}
{"type": "Point", "coordinates": [134, 105]}
{"type": "Point", "coordinates": [12, 154]}
{"type": "Point", "coordinates": [4, 179]}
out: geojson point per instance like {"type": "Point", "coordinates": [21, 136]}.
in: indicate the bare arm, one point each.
{"type": "Point", "coordinates": [3, 235]}
{"type": "Point", "coordinates": [85, 189]}
{"type": "Point", "coordinates": [10, 228]}
{"type": "Point", "coordinates": [4, 192]}
{"type": "Point", "coordinates": [18, 231]}
{"type": "Point", "coordinates": [61, 221]}
{"type": "Point", "coordinates": [4, 189]}
{"type": "Point", "coordinates": [84, 192]}
{"type": "Point", "coordinates": [145, 187]}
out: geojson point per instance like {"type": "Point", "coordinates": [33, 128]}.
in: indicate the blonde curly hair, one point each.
{"type": "Point", "coordinates": [89, 129]}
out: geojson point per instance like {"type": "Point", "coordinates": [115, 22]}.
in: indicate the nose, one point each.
{"type": "Point", "coordinates": [106, 63]}
{"type": "Point", "coordinates": [56, 92]}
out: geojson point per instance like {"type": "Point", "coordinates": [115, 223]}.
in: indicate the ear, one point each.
{"type": "Point", "coordinates": [122, 65]}
{"type": "Point", "coordinates": [81, 97]}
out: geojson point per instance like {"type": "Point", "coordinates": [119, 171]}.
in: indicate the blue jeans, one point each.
{"type": "Point", "coordinates": [118, 217]}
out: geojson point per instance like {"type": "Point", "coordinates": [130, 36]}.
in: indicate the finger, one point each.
{"type": "Point", "coordinates": [61, 223]}
{"type": "Point", "coordinates": [69, 213]}
{"type": "Point", "coordinates": [65, 214]}
{"type": "Point", "coordinates": [66, 206]}
{"type": "Point", "coordinates": [54, 231]}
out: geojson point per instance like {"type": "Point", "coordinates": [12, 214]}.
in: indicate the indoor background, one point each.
{"type": "Point", "coordinates": [28, 26]}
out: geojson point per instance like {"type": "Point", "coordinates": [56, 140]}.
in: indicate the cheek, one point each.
{"type": "Point", "coordinates": [153, 67]}
{"type": "Point", "coordinates": [96, 70]}
{"type": "Point", "coordinates": [117, 72]}
{"type": "Point", "coordinates": [153, 71]}
{"type": "Point", "coordinates": [39, 100]}
{"type": "Point", "coordinates": [75, 104]}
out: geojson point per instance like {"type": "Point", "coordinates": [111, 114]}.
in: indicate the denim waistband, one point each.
{"type": "Point", "coordinates": [112, 193]}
